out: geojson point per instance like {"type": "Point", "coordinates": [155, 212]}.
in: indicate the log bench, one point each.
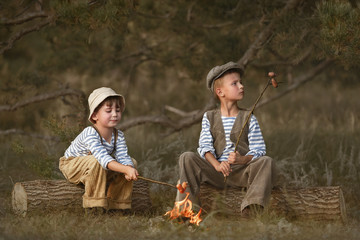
{"type": "Point", "coordinates": [39, 195]}
{"type": "Point", "coordinates": [313, 203]}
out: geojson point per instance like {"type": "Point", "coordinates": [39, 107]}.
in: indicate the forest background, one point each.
{"type": "Point", "coordinates": [157, 54]}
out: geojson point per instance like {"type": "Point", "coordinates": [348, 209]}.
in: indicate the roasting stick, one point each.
{"type": "Point", "coordinates": [270, 81]}
{"type": "Point", "coordinates": [158, 182]}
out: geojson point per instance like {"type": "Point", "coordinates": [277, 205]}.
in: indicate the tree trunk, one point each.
{"type": "Point", "coordinates": [61, 194]}
{"type": "Point", "coordinates": [315, 203]}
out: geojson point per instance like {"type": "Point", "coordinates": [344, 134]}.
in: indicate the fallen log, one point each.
{"type": "Point", "coordinates": [42, 195]}
{"type": "Point", "coordinates": [314, 203]}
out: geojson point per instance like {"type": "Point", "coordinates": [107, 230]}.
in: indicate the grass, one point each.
{"type": "Point", "coordinates": [312, 135]}
{"type": "Point", "coordinates": [68, 225]}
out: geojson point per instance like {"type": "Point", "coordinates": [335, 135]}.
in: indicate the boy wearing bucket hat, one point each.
{"type": "Point", "coordinates": [217, 159]}
{"type": "Point", "coordinates": [98, 156]}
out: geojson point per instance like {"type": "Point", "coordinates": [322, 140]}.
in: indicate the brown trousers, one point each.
{"type": "Point", "coordinates": [103, 188]}
{"type": "Point", "coordinates": [257, 177]}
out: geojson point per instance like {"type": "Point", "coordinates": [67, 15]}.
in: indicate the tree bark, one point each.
{"type": "Point", "coordinates": [315, 203]}
{"type": "Point", "coordinates": [40, 195]}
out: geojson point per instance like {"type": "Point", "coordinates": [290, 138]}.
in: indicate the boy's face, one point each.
{"type": "Point", "coordinates": [108, 115]}
{"type": "Point", "coordinates": [231, 88]}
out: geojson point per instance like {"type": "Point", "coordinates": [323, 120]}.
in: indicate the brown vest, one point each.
{"type": "Point", "coordinates": [218, 133]}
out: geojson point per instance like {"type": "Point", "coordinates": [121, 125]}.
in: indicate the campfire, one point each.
{"type": "Point", "coordinates": [183, 208]}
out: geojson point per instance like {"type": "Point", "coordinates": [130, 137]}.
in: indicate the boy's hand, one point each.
{"type": "Point", "coordinates": [224, 168]}
{"type": "Point", "coordinates": [131, 173]}
{"type": "Point", "coordinates": [236, 158]}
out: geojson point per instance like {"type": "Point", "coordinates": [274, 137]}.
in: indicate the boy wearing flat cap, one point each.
{"type": "Point", "coordinates": [217, 159]}
{"type": "Point", "coordinates": [98, 157]}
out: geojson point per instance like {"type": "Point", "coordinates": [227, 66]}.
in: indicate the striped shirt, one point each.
{"type": "Point", "coordinates": [257, 146]}
{"type": "Point", "coordinates": [89, 141]}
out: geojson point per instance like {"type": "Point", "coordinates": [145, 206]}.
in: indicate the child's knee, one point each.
{"type": "Point", "coordinates": [186, 158]}
{"type": "Point", "coordinates": [269, 164]}
{"type": "Point", "coordinates": [266, 160]}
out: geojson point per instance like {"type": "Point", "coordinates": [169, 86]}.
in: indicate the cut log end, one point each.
{"type": "Point", "coordinates": [342, 206]}
{"type": "Point", "coordinates": [19, 199]}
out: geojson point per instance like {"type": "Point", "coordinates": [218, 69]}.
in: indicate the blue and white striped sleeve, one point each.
{"type": "Point", "coordinates": [93, 143]}
{"type": "Point", "coordinates": [256, 141]}
{"type": "Point", "coordinates": [121, 154]}
{"type": "Point", "coordinates": [206, 140]}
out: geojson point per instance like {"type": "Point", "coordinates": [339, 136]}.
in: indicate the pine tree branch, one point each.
{"type": "Point", "coordinates": [266, 34]}
{"type": "Point", "coordinates": [165, 121]}
{"type": "Point", "coordinates": [299, 81]}
{"type": "Point", "coordinates": [20, 34]}
{"type": "Point", "coordinates": [44, 97]}
{"type": "Point", "coordinates": [284, 62]}
{"type": "Point", "coordinates": [15, 131]}
{"type": "Point", "coordinates": [179, 112]}
{"type": "Point", "coordinates": [219, 25]}
{"type": "Point", "coordinates": [23, 19]}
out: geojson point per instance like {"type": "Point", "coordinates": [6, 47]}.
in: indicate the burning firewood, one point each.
{"type": "Point", "coordinates": [183, 209]}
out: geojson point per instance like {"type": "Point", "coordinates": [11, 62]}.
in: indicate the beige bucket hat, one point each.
{"type": "Point", "coordinates": [99, 95]}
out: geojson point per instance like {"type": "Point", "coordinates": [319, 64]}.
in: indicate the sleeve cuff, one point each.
{"type": "Point", "coordinates": [203, 151]}
{"type": "Point", "coordinates": [255, 155]}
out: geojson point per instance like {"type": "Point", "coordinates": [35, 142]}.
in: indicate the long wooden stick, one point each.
{"type": "Point", "coordinates": [157, 182]}
{"type": "Point", "coordinates": [251, 112]}
{"type": "Point", "coordinates": [248, 117]}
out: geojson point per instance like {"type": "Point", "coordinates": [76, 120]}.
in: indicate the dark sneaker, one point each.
{"type": "Point", "coordinates": [94, 211]}
{"type": "Point", "coordinates": [252, 211]}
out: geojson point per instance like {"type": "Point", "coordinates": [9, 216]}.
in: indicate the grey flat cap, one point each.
{"type": "Point", "coordinates": [218, 71]}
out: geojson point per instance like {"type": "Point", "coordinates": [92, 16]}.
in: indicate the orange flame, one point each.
{"type": "Point", "coordinates": [183, 208]}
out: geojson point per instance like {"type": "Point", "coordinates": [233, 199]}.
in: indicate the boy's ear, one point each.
{"type": "Point", "coordinates": [93, 117]}
{"type": "Point", "coordinates": [219, 92]}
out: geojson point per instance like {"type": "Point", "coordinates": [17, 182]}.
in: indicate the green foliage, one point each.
{"type": "Point", "coordinates": [63, 129]}
{"type": "Point", "coordinates": [17, 147]}
{"type": "Point", "coordinates": [109, 14]}
{"type": "Point", "coordinates": [339, 31]}
{"type": "Point", "coordinates": [41, 162]}
{"type": "Point", "coordinates": [42, 158]}
{"type": "Point", "coordinates": [66, 225]}
{"type": "Point", "coordinates": [43, 165]}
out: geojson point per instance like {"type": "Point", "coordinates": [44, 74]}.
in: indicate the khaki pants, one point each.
{"type": "Point", "coordinates": [257, 177]}
{"type": "Point", "coordinates": [103, 188]}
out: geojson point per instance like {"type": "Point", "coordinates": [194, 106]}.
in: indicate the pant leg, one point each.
{"type": "Point", "coordinates": [196, 170]}
{"type": "Point", "coordinates": [119, 192]}
{"type": "Point", "coordinates": [258, 177]}
{"type": "Point", "coordinates": [87, 170]}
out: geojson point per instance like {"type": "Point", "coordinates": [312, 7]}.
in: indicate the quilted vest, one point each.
{"type": "Point", "coordinates": [218, 133]}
